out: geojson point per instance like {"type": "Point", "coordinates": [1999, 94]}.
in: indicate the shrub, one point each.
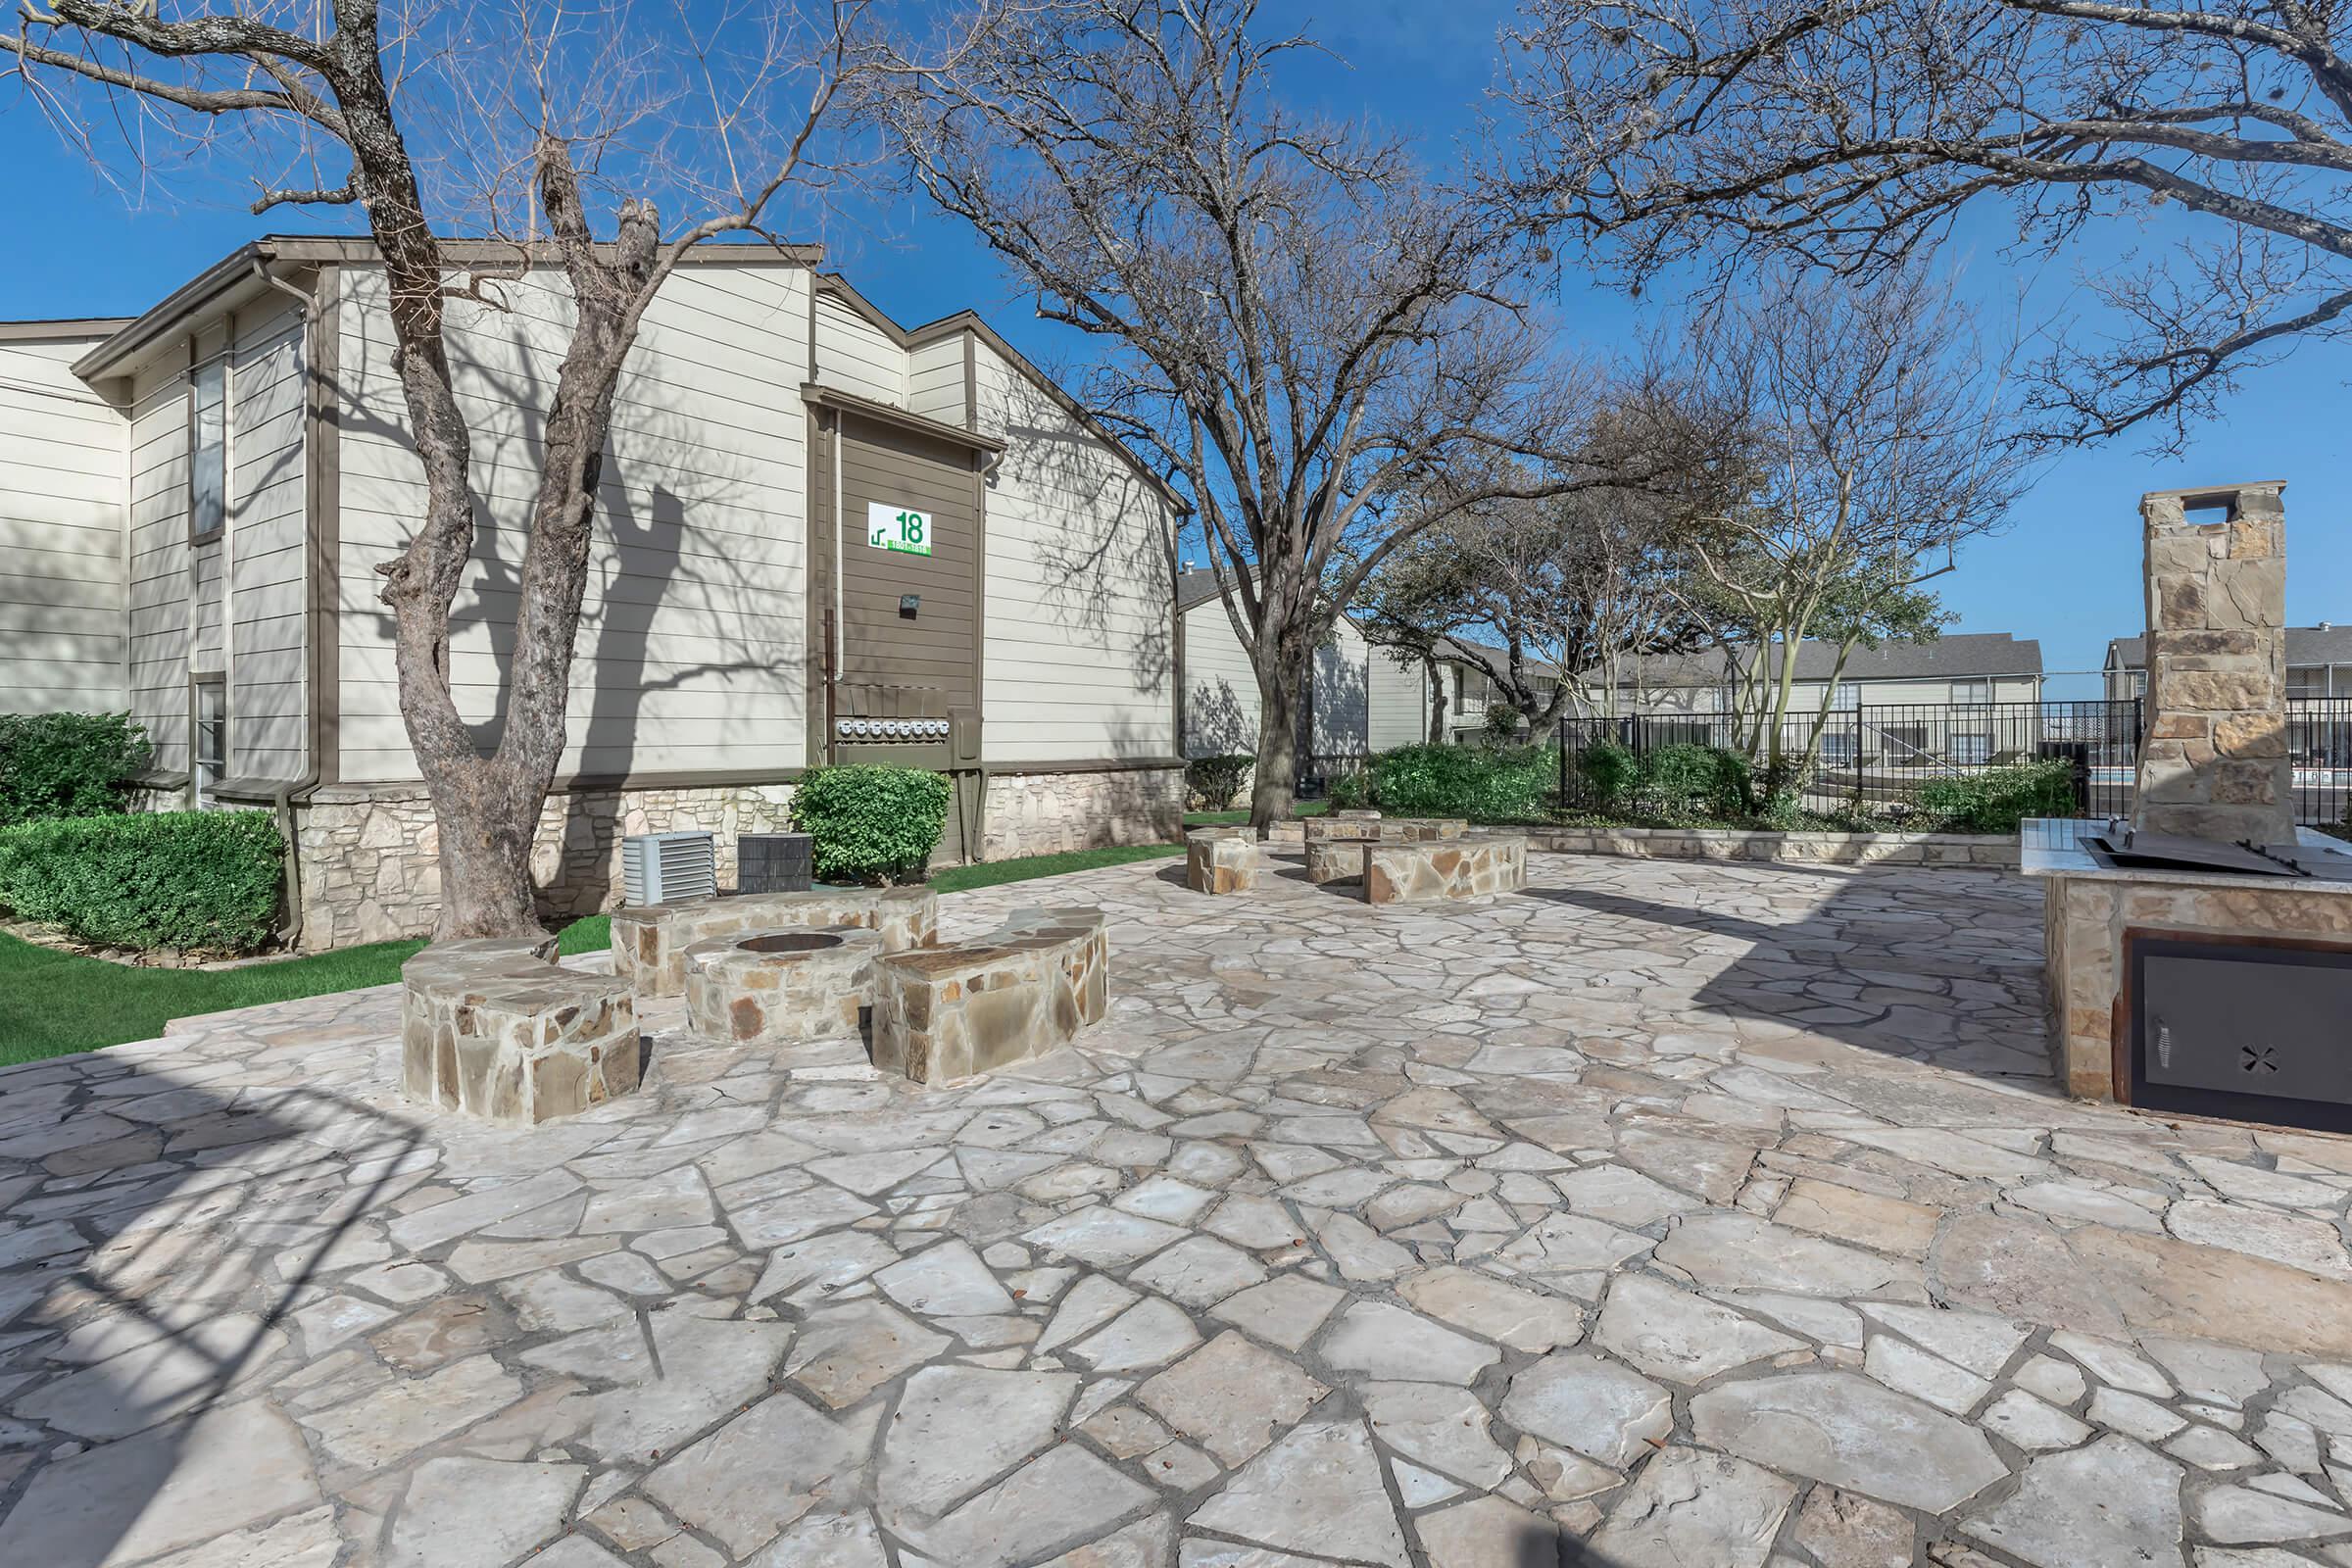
{"type": "Point", "coordinates": [1696, 781]}
{"type": "Point", "coordinates": [1503, 784]}
{"type": "Point", "coordinates": [1216, 781]}
{"type": "Point", "coordinates": [872, 824]}
{"type": "Point", "coordinates": [1609, 772]}
{"type": "Point", "coordinates": [1996, 800]}
{"type": "Point", "coordinates": [68, 764]}
{"type": "Point", "coordinates": [1351, 792]}
{"type": "Point", "coordinates": [205, 881]}
{"type": "Point", "coordinates": [1503, 724]}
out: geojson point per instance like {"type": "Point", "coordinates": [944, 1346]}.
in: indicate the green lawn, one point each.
{"type": "Point", "coordinates": [53, 1003]}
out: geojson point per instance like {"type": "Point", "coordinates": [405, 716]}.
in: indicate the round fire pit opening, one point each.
{"type": "Point", "coordinates": [780, 983]}
{"type": "Point", "coordinates": [790, 941]}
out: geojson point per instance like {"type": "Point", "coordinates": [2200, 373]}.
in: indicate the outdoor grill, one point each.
{"type": "Point", "coordinates": [2123, 848]}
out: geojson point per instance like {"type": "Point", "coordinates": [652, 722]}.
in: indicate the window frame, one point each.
{"type": "Point", "coordinates": [201, 785]}
{"type": "Point", "coordinates": [199, 370]}
{"type": "Point", "coordinates": [1979, 683]}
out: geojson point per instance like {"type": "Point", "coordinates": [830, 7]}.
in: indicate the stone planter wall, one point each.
{"type": "Point", "coordinates": [1802, 849]}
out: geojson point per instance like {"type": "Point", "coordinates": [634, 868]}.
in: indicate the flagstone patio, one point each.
{"type": "Point", "coordinates": [1663, 1214]}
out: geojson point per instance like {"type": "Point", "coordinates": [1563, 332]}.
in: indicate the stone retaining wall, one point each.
{"type": "Point", "coordinates": [1803, 848]}
{"type": "Point", "coordinates": [1051, 814]}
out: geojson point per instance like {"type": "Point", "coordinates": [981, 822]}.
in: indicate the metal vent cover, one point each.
{"type": "Point", "coordinates": [668, 867]}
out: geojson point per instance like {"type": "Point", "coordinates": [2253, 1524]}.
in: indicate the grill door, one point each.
{"type": "Point", "coordinates": [2243, 1032]}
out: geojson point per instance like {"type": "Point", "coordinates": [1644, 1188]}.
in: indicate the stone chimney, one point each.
{"type": "Point", "coordinates": [2213, 764]}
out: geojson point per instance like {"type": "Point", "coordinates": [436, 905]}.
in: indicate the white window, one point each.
{"type": "Point", "coordinates": [1972, 750]}
{"type": "Point", "coordinates": [1837, 746]}
{"type": "Point", "coordinates": [1849, 696]}
{"type": "Point", "coordinates": [208, 449]}
{"type": "Point", "coordinates": [1972, 691]}
{"type": "Point", "coordinates": [209, 753]}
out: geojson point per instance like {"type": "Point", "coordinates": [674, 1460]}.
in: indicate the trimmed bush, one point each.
{"type": "Point", "coordinates": [1351, 792]}
{"type": "Point", "coordinates": [1502, 784]}
{"type": "Point", "coordinates": [1216, 781]}
{"type": "Point", "coordinates": [200, 881]}
{"type": "Point", "coordinates": [68, 764]}
{"type": "Point", "coordinates": [1695, 782]}
{"type": "Point", "coordinates": [1610, 772]}
{"type": "Point", "coordinates": [872, 824]}
{"type": "Point", "coordinates": [1503, 724]}
{"type": "Point", "coordinates": [1996, 800]}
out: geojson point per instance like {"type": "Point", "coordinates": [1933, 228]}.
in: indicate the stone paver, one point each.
{"type": "Point", "coordinates": [1662, 1212]}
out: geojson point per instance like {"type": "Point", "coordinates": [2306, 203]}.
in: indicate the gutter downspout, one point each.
{"type": "Point", "coordinates": [281, 800]}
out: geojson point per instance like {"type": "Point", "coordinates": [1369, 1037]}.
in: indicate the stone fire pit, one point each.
{"type": "Point", "coordinates": [794, 984]}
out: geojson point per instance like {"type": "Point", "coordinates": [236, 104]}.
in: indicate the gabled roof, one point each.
{"type": "Point", "coordinates": [2325, 643]}
{"type": "Point", "coordinates": [911, 337]}
{"type": "Point", "coordinates": [1953, 655]}
{"type": "Point", "coordinates": [243, 266]}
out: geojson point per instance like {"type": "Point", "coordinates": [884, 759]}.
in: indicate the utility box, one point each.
{"type": "Point", "coordinates": [773, 862]}
{"type": "Point", "coordinates": [668, 867]}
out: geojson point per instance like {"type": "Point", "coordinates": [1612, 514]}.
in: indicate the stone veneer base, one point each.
{"type": "Point", "coordinates": [495, 1030]}
{"type": "Point", "coordinates": [1434, 870]}
{"type": "Point", "coordinates": [650, 945]}
{"type": "Point", "coordinates": [370, 871]}
{"type": "Point", "coordinates": [814, 987]}
{"type": "Point", "coordinates": [1220, 860]}
{"type": "Point", "coordinates": [1020, 991]}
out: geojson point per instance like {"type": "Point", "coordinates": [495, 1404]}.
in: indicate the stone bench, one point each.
{"type": "Point", "coordinates": [768, 986]}
{"type": "Point", "coordinates": [1020, 991]}
{"type": "Point", "coordinates": [1434, 870]}
{"type": "Point", "coordinates": [1220, 860]}
{"type": "Point", "coordinates": [1335, 850]}
{"type": "Point", "coordinates": [493, 1029]}
{"type": "Point", "coordinates": [650, 943]}
{"type": "Point", "coordinates": [1292, 830]}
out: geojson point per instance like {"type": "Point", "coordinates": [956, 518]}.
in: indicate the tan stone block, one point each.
{"type": "Point", "coordinates": [2250, 735]}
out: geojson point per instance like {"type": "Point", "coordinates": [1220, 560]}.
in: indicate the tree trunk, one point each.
{"type": "Point", "coordinates": [487, 824]}
{"type": "Point", "coordinates": [1437, 702]}
{"type": "Point", "coordinates": [1274, 783]}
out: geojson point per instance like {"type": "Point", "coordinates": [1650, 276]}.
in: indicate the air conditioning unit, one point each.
{"type": "Point", "coordinates": [772, 862]}
{"type": "Point", "coordinates": [668, 867]}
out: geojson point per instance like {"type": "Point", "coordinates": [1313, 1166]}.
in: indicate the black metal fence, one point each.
{"type": "Point", "coordinates": [2319, 743]}
{"type": "Point", "coordinates": [1878, 757]}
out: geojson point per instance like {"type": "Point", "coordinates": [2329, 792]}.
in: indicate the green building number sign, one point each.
{"type": "Point", "coordinates": [902, 530]}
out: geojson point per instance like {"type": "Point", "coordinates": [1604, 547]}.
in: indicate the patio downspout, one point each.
{"type": "Point", "coordinates": [281, 800]}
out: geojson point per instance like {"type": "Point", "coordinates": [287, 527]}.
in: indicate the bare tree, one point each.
{"type": "Point", "coordinates": [1318, 345]}
{"type": "Point", "coordinates": [1852, 135]}
{"type": "Point", "coordinates": [512, 119]}
{"type": "Point", "coordinates": [1876, 448]}
{"type": "Point", "coordinates": [1569, 587]}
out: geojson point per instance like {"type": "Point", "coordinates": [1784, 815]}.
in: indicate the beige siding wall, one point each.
{"type": "Point", "coordinates": [1221, 705]}
{"type": "Point", "coordinates": [1077, 640]}
{"type": "Point", "coordinates": [63, 452]}
{"type": "Point", "coordinates": [935, 380]}
{"type": "Point", "coordinates": [266, 586]}
{"type": "Point", "coordinates": [1398, 710]}
{"type": "Point", "coordinates": [693, 631]}
{"type": "Point", "coordinates": [1343, 694]}
{"type": "Point", "coordinates": [854, 356]}
{"type": "Point", "coordinates": [160, 624]}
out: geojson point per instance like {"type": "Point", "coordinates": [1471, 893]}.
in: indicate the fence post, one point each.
{"type": "Point", "coordinates": [1857, 757]}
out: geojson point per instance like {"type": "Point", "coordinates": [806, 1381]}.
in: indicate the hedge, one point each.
{"type": "Point", "coordinates": [68, 764]}
{"type": "Point", "coordinates": [1484, 784]}
{"type": "Point", "coordinates": [1997, 799]}
{"type": "Point", "coordinates": [872, 824]}
{"type": "Point", "coordinates": [200, 881]}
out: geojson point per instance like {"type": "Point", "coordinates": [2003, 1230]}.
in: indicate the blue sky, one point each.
{"type": "Point", "coordinates": [2067, 571]}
